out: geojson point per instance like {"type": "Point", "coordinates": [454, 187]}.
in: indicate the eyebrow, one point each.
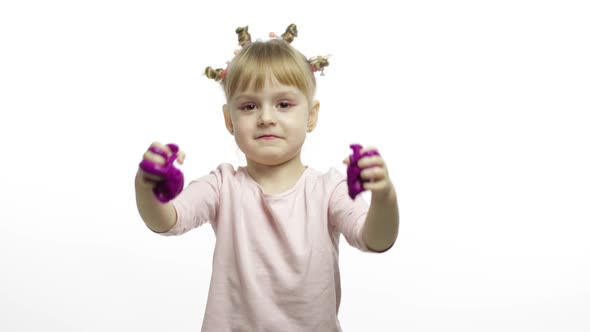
{"type": "Point", "coordinates": [290, 93]}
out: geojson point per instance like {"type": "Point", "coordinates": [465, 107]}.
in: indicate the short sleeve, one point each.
{"type": "Point", "coordinates": [198, 203]}
{"type": "Point", "coordinates": [346, 215]}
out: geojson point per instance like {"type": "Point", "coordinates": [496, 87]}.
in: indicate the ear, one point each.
{"type": "Point", "coordinates": [228, 122]}
{"type": "Point", "coordinates": [313, 116]}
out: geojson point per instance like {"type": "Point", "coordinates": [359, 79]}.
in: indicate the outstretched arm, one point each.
{"type": "Point", "coordinates": [382, 221]}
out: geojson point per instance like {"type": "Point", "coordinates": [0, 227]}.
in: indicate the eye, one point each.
{"type": "Point", "coordinates": [247, 107]}
{"type": "Point", "coordinates": [285, 105]}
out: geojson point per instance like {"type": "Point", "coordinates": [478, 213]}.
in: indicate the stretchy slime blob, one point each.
{"type": "Point", "coordinates": [173, 180]}
{"type": "Point", "coordinates": [355, 183]}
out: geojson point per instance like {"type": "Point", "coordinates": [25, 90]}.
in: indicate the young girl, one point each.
{"type": "Point", "coordinates": [277, 221]}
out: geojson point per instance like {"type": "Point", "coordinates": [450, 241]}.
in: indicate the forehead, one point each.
{"type": "Point", "coordinates": [271, 87]}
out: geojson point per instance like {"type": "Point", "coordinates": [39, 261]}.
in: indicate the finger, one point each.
{"type": "Point", "coordinates": [162, 146]}
{"type": "Point", "coordinates": [181, 156]}
{"type": "Point", "coordinates": [379, 186]}
{"type": "Point", "coordinates": [152, 179]}
{"type": "Point", "coordinates": [159, 148]}
{"type": "Point", "coordinates": [153, 157]}
{"type": "Point", "coordinates": [369, 148]}
{"type": "Point", "coordinates": [373, 174]}
{"type": "Point", "coordinates": [346, 160]}
{"type": "Point", "coordinates": [159, 145]}
{"type": "Point", "coordinates": [371, 161]}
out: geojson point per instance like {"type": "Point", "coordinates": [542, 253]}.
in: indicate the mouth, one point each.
{"type": "Point", "coordinates": [267, 137]}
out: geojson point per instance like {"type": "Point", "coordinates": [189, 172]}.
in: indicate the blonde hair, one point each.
{"type": "Point", "coordinates": [276, 58]}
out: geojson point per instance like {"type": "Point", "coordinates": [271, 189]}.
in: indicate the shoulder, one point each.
{"type": "Point", "coordinates": [332, 175]}
{"type": "Point", "coordinates": [229, 176]}
{"type": "Point", "coordinates": [223, 173]}
{"type": "Point", "coordinates": [328, 180]}
{"type": "Point", "coordinates": [225, 170]}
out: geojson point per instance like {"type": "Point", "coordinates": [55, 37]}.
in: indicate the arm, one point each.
{"type": "Point", "coordinates": [159, 217]}
{"type": "Point", "coordinates": [382, 222]}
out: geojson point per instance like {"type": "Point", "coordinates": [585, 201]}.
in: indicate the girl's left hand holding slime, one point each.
{"type": "Point", "coordinates": [374, 174]}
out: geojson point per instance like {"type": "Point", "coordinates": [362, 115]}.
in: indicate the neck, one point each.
{"type": "Point", "coordinates": [276, 178]}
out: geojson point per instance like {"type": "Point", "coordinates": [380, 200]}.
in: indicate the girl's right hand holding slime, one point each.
{"type": "Point", "coordinates": [157, 171]}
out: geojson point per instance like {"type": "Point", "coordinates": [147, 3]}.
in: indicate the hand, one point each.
{"type": "Point", "coordinates": [151, 180]}
{"type": "Point", "coordinates": [374, 174]}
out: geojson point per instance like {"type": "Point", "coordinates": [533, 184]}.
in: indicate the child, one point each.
{"type": "Point", "coordinates": [277, 221]}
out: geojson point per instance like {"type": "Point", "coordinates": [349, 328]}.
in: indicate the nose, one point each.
{"type": "Point", "coordinates": [266, 116]}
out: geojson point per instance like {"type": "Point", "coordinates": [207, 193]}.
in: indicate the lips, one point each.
{"type": "Point", "coordinates": [268, 136]}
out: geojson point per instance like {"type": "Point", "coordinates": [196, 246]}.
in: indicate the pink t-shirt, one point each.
{"type": "Point", "coordinates": [275, 266]}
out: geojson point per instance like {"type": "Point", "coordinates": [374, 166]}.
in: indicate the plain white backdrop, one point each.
{"type": "Point", "coordinates": [480, 109]}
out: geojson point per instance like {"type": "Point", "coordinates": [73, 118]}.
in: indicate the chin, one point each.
{"type": "Point", "coordinates": [270, 159]}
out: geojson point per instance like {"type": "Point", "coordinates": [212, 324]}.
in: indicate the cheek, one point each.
{"type": "Point", "coordinates": [243, 131]}
{"type": "Point", "coordinates": [297, 122]}
{"type": "Point", "coordinates": [240, 125]}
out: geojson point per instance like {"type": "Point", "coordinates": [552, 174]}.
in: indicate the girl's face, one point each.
{"type": "Point", "coordinates": [270, 125]}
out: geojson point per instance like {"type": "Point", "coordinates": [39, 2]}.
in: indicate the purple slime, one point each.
{"type": "Point", "coordinates": [353, 172]}
{"type": "Point", "coordinates": [173, 180]}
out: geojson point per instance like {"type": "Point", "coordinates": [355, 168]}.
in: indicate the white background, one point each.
{"type": "Point", "coordinates": [479, 108]}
